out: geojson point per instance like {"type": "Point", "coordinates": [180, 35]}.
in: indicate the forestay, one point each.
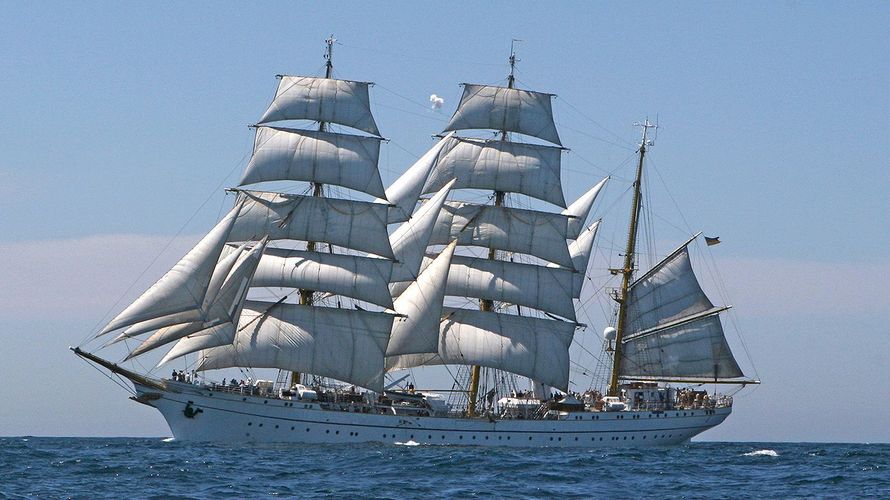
{"type": "Point", "coordinates": [531, 347]}
{"type": "Point", "coordinates": [541, 234]}
{"type": "Point", "coordinates": [500, 108]}
{"type": "Point", "coordinates": [322, 157]}
{"type": "Point", "coordinates": [323, 100]}
{"type": "Point", "coordinates": [343, 344]}
{"type": "Point", "coordinates": [503, 166]}
{"type": "Point", "coordinates": [355, 225]}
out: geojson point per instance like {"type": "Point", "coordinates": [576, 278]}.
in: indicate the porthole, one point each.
{"type": "Point", "coordinates": [307, 429]}
{"type": "Point", "coordinates": [293, 428]}
{"type": "Point", "coordinates": [276, 426]}
{"type": "Point", "coordinates": [460, 437]}
{"type": "Point", "coordinates": [327, 431]}
{"type": "Point", "coordinates": [338, 433]}
{"type": "Point", "coordinates": [243, 399]}
{"type": "Point", "coordinates": [529, 438]}
{"type": "Point", "coordinates": [265, 401]}
{"type": "Point", "coordinates": [249, 424]}
{"type": "Point", "coordinates": [260, 425]}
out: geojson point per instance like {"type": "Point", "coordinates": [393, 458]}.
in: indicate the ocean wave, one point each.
{"type": "Point", "coordinates": [761, 453]}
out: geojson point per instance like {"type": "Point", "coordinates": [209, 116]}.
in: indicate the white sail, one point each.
{"type": "Point", "coordinates": [363, 278]}
{"type": "Point", "coordinates": [356, 225]}
{"type": "Point", "coordinates": [579, 210]}
{"type": "Point", "coordinates": [225, 308]}
{"type": "Point", "coordinates": [323, 157]}
{"type": "Point", "coordinates": [214, 336]}
{"type": "Point", "coordinates": [531, 347]}
{"type": "Point", "coordinates": [229, 256]}
{"type": "Point", "coordinates": [669, 291]}
{"type": "Point", "coordinates": [343, 344]}
{"type": "Point", "coordinates": [410, 240]}
{"type": "Point", "coordinates": [532, 232]}
{"type": "Point", "coordinates": [183, 287]}
{"type": "Point", "coordinates": [404, 192]}
{"type": "Point", "coordinates": [696, 349]}
{"type": "Point", "coordinates": [580, 250]}
{"type": "Point", "coordinates": [421, 306]}
{"type": "Point", "coordinates": [539, 287]}
{"type": "Point", "coordinates": [323, 100]}
{"type": "Point", "coordinates": [500, 166]}
{"type": "Point", "coordinates": [500, 108]}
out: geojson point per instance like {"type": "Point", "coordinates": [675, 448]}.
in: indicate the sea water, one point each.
{"type": "Point", "coordinates": [164, 468]}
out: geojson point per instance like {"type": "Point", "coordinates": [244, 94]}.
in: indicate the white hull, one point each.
{"type": "Point", "coordinates": [231, 417]}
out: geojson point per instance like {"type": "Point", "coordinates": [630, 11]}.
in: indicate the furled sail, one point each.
{"type": "Point", "coordinates": [362, 278]}
{"type": "Point", "coordinates": [343, 344]}
{"type": "Point", "coordinates": [498, 165]}
{"type": "Point", "coordinates": [539, 287]}
{"type": "Point", "coordinates": [531, 347]}
{"type": "Point", "coordinates": [499, 108]}
{"type": "Point", "coordinates": [417, 330]}
{"type": "Point", "coordinates": [579, 210]}
{"type": "Point", "coordinates": [183, 287]}
{"type": "Point", "coordinates": [532, 232]}
{"type": "Point", "coordinates": [323, 157]}
{"type": "Point", "coordinates": [323, 100]}
{"type": "Point", "coordinates": [674, 330]}
{"type": "Point", "coordinates": [404, 192]}
{"type": "Point", "coordinates": [356, 225]}
{"type": "Point", "coordinates": [225, 308]}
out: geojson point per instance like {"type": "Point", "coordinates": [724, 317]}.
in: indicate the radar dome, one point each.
{"type": "Point", "coordinates": [610, 333]}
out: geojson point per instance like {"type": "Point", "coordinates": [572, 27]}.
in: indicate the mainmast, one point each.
{"type": "Point", "coordinates": [307, 297]}
{"type": "Point", "coordinates": [485, 304]}
{"type": "Point", "coordinates": [628, 269]}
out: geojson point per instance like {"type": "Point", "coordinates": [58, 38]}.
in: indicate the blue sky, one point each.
{"type": "Point", "coordinates": [121, 121]}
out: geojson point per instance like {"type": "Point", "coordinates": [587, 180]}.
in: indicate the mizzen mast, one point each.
{"type": "Point", "coordinates": [629, 254]}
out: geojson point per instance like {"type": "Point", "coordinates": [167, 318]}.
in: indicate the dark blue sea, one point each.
{"type": "Point", "coordinates": [157, 468]}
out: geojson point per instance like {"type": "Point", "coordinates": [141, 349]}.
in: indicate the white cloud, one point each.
{"type": "Point", "coordinates": [436, 102]}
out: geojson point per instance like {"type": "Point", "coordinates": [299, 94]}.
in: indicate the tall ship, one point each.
{"type": "Point", "coordinates": [471, 263]}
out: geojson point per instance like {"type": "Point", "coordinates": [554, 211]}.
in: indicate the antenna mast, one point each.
{"type": "Point", "coordinates": [628, 269]}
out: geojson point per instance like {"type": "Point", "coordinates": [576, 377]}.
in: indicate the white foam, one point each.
{"type": "Point", "coordinates": [168, 440]}
{"type": "Point", "coordinates": [408, 443]}
{"type": "Point", "coordinates": [762, 453]}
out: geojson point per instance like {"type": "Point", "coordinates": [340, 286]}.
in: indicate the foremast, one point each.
{"type": "Point", "coordinates": [307, 297]}
{"type": "Point", "coordinates": [487, 305]}
{"type": "Point", "coordinates": [628, 270]}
